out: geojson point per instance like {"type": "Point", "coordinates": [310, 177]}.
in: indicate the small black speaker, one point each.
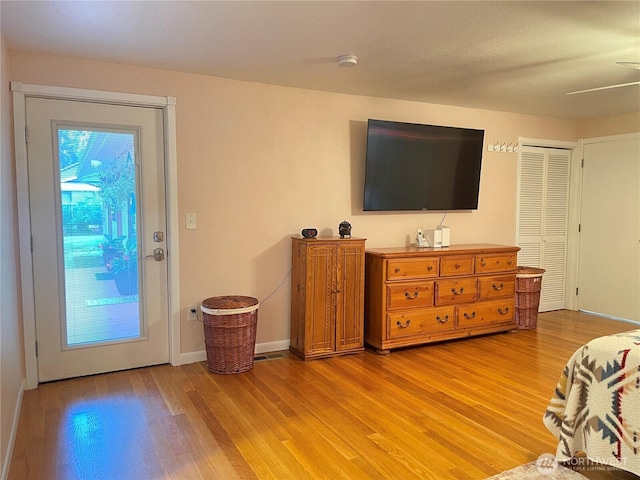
{"type": "Point", "coordinates": [344, 229]}
{"type": "Point", "coordinates": [309, 232]}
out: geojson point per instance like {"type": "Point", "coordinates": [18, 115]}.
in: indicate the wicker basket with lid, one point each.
{"type": "Point", "coordinates": [528, 286]}
{"type": "Point", "coordinates": [230, 324]}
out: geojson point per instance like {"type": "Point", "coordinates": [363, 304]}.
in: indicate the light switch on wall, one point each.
{"type": "Point", "coordinates": [191, 221]}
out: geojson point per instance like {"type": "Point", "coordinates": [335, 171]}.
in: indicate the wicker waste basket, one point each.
{"type": "Point", "coordinates": [528, 285]}
{"type": "Point", "coordinates": [230, 333]}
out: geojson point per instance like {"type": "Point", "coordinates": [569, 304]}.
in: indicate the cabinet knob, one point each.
{"type": "Point", "coordinates": [397, 270]}
{"type": "Point", "coordinates": [409, 296]}
{"type": "Point", "coordinates": [405, 325]}
{"type": "Point", "coordinates": [457, 266]}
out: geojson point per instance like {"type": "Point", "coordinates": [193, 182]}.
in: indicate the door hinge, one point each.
{"type": "Point", "coordinates": [26, 134]}
{"type": "Point", "coordinates": [576, 291]}
{"type": "Point", "coordinates": [36, 349]}
{"type": "Point", "coordinates": [582, 163]}
{"type": "Point", "coordinates": [31, 242]}
{"type": "Point", "coordinates": [579, 227]}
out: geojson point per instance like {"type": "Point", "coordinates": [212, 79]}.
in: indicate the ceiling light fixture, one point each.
{"type": "Point", "coordinates": [347, 60]}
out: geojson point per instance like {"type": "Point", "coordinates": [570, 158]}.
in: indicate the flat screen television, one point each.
{"type": "Point", "coordinates": [421, 167]}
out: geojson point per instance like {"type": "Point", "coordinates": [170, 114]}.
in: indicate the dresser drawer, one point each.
{"type": "Point", "coordinates": [496, 263]}
{"type": "Point", "coordinates": [451, 266]}
{"type": "Point", "coordinates": [406, 324]}
{"type": "Point", "coordinates": [485, 313]}
{"type": "Point", "coordinates": [412, 268]}
{"type": "Point", "coordinates": [461, 290]}
{"type": "Point", "coordinates": [409, 295]}
{"type": "Point", "coordinates": [498, 286]}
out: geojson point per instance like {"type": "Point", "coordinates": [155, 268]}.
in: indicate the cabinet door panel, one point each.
{"type": "Point", "coordinates": [350, 298]}
{"type": "Point", "coordinates": [321, 280]}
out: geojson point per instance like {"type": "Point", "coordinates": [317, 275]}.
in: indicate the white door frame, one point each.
{"type": "Point", "coordinates": [167, 104]}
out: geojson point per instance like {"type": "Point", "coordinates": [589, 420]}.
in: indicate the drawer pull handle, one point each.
{"type": "Point", "coordinates": [497, 288]}
{"type": "Point", "coordinates": [397, 270]}
{"type": "Point", "coordinates": [429, 268]}
{"type": "Point", "coordinates": [503, 311]}
{"type": "Point", "coordinates": [457, 266]}
{"type": "Point", "coordinates": [400, 325]}
{"type": "Point", "coordinates": [457, 292]}
{"type": "Point", "coordinates": [482, 262]}
{"type": "Point", "coordinates": [510, 262]}
{"type": "Point", "coordinates": [470, 317]}
{"type": "Point", "coordinates": [442, 320]}
{"type": "Point", "coordinates": [409, 296]}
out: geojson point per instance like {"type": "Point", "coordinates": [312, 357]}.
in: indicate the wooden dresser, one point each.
{"type": "Point", "coordinates": [327, 296]}
{"type": "Point", "coordinates": [416, 295]}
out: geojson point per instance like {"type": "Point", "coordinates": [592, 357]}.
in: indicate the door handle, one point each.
{"type": "Point", "coordinates": [158, 255]}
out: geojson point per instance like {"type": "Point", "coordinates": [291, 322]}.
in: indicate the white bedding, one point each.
{"type": "Point", "coordinates": [596, 406]}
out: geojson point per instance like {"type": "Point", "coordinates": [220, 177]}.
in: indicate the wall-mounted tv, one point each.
{"type": "Point", "coordinates": [421, 167]}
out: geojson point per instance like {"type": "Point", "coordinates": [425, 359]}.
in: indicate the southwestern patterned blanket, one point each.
{"type": "Point", "coordinates": [596, 405]}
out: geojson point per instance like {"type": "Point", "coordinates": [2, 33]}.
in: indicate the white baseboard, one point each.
{"type": "Point", "coordinates": [611, 317]}
{"type": "Point", "coordinates": [192, 357]}
{"type": "Point", "coordinates": [201, 355]}
{"type": "Point", "coordinates": [14, 430]}
{"type": "Point", "coordinates": [272, 346]}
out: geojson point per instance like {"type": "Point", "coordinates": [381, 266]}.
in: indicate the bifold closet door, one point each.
{"type": "Point", "coordinates": [543, 206]}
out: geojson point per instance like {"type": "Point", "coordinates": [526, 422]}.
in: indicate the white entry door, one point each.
{"type": "Point", "coordinates": [98, 223]}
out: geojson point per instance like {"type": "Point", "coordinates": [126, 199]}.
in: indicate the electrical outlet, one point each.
{"type": "Point", "coordinates": [192, 313]}
{"type": "Point", "coordinates": [190, 221]}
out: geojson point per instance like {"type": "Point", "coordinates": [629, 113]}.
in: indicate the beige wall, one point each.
{"type": "Point", "coordinates": [11, 342]}
{"type": "Point", "coordinates": [608, 126]}
{"type": "Point", "coordinates": [257, 163]}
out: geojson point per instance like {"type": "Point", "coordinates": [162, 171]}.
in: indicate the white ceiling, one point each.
{"type": "Point", "coordinates": [514, 56]}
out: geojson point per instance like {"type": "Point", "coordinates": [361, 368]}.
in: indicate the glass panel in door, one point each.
{"type": "Point", "coordinates": [99, 236]}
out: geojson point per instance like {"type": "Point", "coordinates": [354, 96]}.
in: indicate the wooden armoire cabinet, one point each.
{"type": "Point", "coordinates": [327, 296]}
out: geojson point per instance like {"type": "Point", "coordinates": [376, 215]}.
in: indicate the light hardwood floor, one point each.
{"type": "Point", "coordinates": [465, 409]}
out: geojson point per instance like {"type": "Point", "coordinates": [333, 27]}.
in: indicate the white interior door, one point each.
{"type": "Point", "coordinates": [609, 272]}
{"type": "Point", "coordinates": [543, 207]}
{"type": "Point", "coordinates": [98, 223]}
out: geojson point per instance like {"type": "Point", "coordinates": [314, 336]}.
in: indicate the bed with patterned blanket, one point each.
{"type": "Point", "coordinates": [596, 405]}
